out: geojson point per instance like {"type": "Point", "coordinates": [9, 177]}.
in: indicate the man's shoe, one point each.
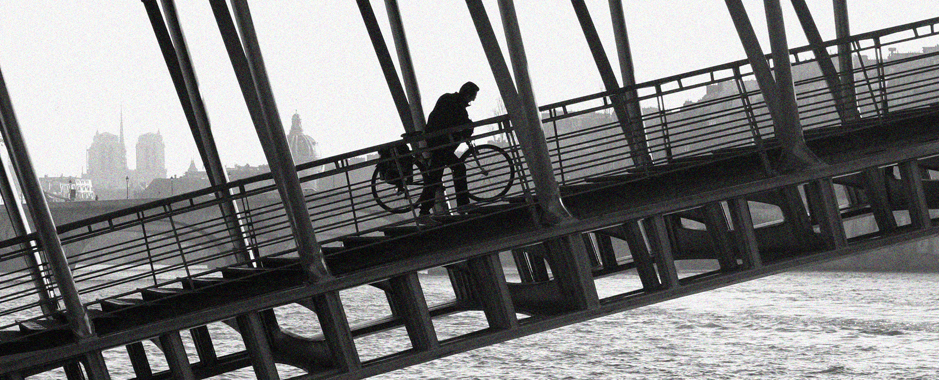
{"type": "Point", "coordinates": [426, 220]}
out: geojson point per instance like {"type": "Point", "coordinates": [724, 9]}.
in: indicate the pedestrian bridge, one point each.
{"type": "Point", "coordinates": [706, 181]}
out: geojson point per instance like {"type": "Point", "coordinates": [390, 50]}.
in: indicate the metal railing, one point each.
{"type": "Point", "coordinates": [586, 140]}
{"type": "Point", "coordinates": [153, 244]}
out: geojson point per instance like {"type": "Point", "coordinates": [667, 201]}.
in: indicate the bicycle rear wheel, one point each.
{"type": "Point", "coordinates": [391, 198]}
{"type": "Point", "coordinates": [489, 172]}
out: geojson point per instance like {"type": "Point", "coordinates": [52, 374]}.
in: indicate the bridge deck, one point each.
{"type": "Point", "coordinates": [371, 259]}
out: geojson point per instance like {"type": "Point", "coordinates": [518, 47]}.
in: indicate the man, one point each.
{"type": "Point", "coordinates": [449, 112]}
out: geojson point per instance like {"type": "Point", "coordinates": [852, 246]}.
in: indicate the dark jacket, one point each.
{"type": "Point", "coordinates": [450, 111]}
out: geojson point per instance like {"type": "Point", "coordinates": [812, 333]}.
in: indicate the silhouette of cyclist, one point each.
{"type": "Point", "coordinates": [450, 111]}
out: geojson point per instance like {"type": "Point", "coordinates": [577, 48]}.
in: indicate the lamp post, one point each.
{"type": "Point", "coordinates": [173, 178]}
{"type": "Point", "coordinates": [126, 187]}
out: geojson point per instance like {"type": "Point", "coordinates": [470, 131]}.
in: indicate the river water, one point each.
{"type": "Point", "coordinates": [799, 325]}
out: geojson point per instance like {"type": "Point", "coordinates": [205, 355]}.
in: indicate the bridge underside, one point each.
{"type": "Point", "coordinates": [696, 209]}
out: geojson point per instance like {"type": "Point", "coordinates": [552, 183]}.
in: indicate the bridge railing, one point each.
{"type": "Point", "coordinates": [155, 243]}
{"type": "Point", "coordinates": [587, 140]}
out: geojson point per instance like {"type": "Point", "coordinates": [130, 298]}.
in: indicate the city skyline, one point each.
{"type": "Point", "coordinates": [84, 63]}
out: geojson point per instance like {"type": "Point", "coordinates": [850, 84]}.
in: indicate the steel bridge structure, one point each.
{"type": "Point", "coordinates": [765, 174]}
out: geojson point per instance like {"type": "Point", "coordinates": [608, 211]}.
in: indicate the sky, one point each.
{"type": "Point", "coordinates": [74, 67]}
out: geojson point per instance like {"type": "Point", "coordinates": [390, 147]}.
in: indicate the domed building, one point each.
{"type": "Point", "coordinates": [303, 149]}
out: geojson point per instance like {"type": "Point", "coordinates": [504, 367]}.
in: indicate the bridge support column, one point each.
{"type": "Point", "coordinates": [335, 327]}
{"type": "Point", "coordinates": [629, 77]}
{"type": "Point", "coordinates": [248, 63]}
{"type": "Point", "coordinates": [847, 111]}
{"type": "Point", "coordinates": [845, 63]}
{"type": "Point", "coordinates": [176, 358]}
{"type": "Point", "coordinates": [778, 93]}
{"type": "Point", "coordinates": [521, 105]}
{"type": "Point", "coordinates": [172, 41]}
{"type": "Point", "coordinates": [95, 366]}
{"type": "Point", "coordinates": [824, 206]}
{"type": "Point", "coordinates": [571, 268]}
{"type": "Point", "coordinates": [627, 113]}
{"type": "Point", "coordinates": [744, 232]}
{"type": "Point", "coordinates": [387, 64]}
{"type": "Point", "coordinates": [410, 305]}
{"type": "Point", "coordinates": [913, 186]}
{"type": "Point", "coordinates": [36, 201]}
{"type": "Point", "coordinates": [716, 224]}
{"type": "Point", "coordinates": [32, 258]}
{"type": "Point", "coordinates": [662, 249]}
{"type": "Point", "coordinates": [258, 346]}
{"type": "Point", "coordinates": [493, 292]}
{"type": "Point", "coordinates": [875, 187]}
{"type": "Point", "coordinates": [139, 361]}
{"type": "Point", "coordinates": [645, 264]}
{"type": "Point", "coordinates": [203, 342]}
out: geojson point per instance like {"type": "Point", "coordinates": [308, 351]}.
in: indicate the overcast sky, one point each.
{"type": "Point", "coordinates": [71, 65]}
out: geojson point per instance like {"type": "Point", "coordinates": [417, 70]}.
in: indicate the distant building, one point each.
{"type": "Point", "coordinates": [151, 162]}
{"type": "Point", "coordinates": [67, 189]}
{"type": "Point", "coordinates": [303, 149]}
{"type": "Point", "coordinates": [107, 162]}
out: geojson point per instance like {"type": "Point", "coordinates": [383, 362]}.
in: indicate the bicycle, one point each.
{"type": "Point", "coordinates": [490, 174]}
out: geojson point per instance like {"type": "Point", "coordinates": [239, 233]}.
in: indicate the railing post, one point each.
{"type": "Point", "coordinates": [172, 41]}
{"type": "Point", "coordinates": [248, 63]}
{"type": "Point", "coordinates": [34, 261]}
{"type": "Point", "coordinates": [42, 218]}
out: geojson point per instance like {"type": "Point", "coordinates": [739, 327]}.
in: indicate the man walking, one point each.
{"type": "Point", "coordinates": [449, 112]}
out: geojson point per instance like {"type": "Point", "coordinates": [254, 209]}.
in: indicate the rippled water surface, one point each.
{"type": "Point", "coordinates": [789, 326]}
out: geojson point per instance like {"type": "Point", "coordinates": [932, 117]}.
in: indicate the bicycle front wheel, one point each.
{"type": "Point", "coordinates": [489, 172]}
{"type": "Point", "coordinates": [391, 198]}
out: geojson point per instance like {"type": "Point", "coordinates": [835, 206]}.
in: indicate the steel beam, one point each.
{"type": "Point", "coordinates": [336, 330]}
{"type": "Point", "coordinates": [786, 125]}
{"type": "Point", "coordinates": [744, 232]}
{"type": "Point", "coordinates": [258, 346]}
{"type": "Point", "coordinates": [628, 72]}
{"type": "Point", "coordinates": [407, 68]}
{"type": "Point", "coordinates": [493, 292]}
{"type": "Point", "coordinates": [912, 176]}
{"type": "Point", "coordinates": [640, 155]}
{"type": "Point", "coordinates": [409, 304]}
{"type": "Point", "coordinates": [387, 64]}
{"type": "Point", "coordinates": [662, 248]}
{"type": "Point", "coordinates": [278, 155]}
{"type": "Point", "coordinates": [567, 256]}
{"type": "Point", "coordinates": [95, 366]}
{"type": "Point", "coordinates": [520, 105]}
{"type": "Point", "coordinates": [39, 210]}
{"type": "Point", "coordinates": [174, 351]}
{"type": "Point", "coordinates": [31, 256]}
{"type": "Point", "coordinates": [845, 63]}
{"type": "Point", "coordinates": [172, 41]}
{"type": "Point", "coordinates": [139, 361]}
{"type": "Point", "coordinates": [846, 112]}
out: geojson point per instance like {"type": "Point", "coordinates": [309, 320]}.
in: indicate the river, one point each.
{"type": "Point", "coordinates": [798, 325]}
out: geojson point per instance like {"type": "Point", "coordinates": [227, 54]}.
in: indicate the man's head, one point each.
{"type": "Point", "coordinates": [468, 92]}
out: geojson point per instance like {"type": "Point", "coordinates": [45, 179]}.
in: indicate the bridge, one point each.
{"type": "Point", "coordinates": [773, 170]}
